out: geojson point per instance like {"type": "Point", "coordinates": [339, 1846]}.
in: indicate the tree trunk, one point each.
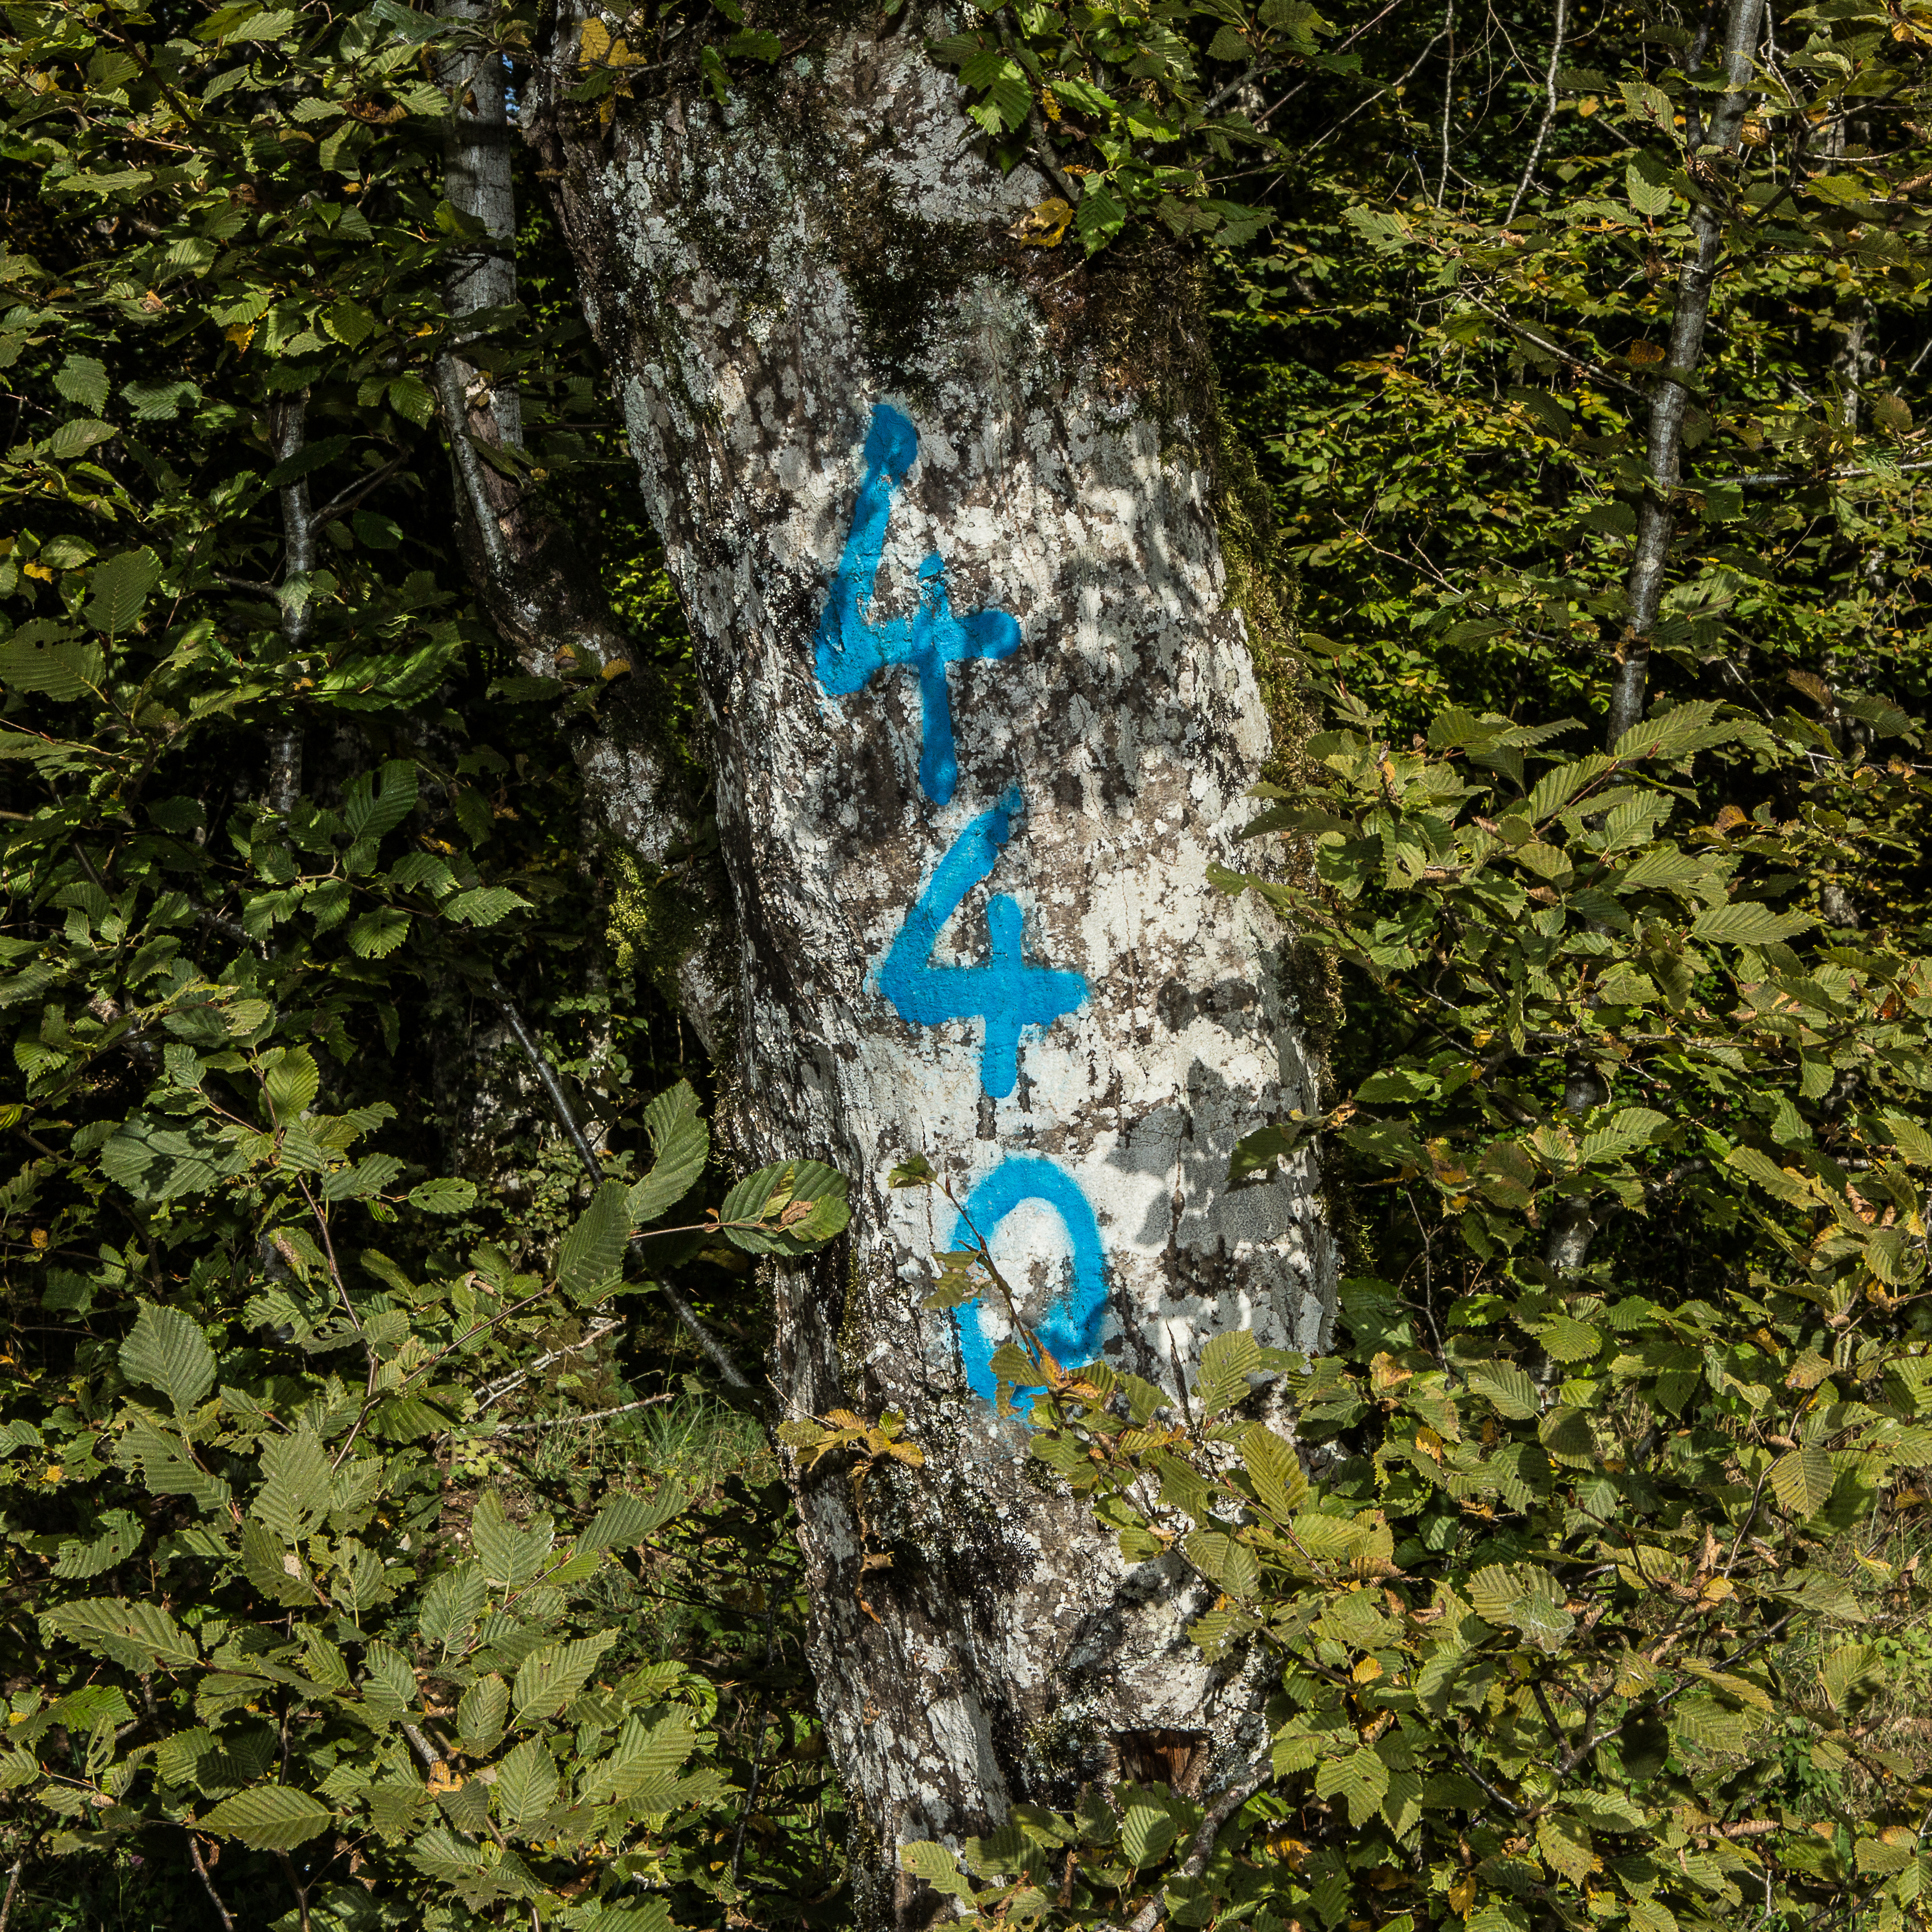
{"type": "Point", "coordinates": [981, 716]}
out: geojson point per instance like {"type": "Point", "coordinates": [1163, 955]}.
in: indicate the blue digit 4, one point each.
{"type": "Point", "coordinates": [1005, 992]}
{"type": "Point", "coordinates": [1070, 1328]}
{"type": "Point", "coordinates": [850, 648]}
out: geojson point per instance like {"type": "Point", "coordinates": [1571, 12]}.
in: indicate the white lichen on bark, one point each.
{"type": "Point", "coordinates": [731, 258]}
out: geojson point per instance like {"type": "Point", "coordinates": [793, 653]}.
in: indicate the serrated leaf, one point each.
{"type": "Point", "coordinates": [377, 935]}
{"type": "Point", "coordinates": [141, 1636]}
{"type": "Point", "coordinates": [526, 1787]}
{"type": "Point", "coordinates": [934, 1864]}
{"type": "Point", "coordinates": [1147, 1830]}
{"type": "Point", "coordinates": [623, 1521]}
{"type": "Point", "coordinates": [270, 1818]}
{"type": "Point", "coordinates": [116, 1539]}
{"type": "Point", "coordinates": [1275, 1470]}
{"type": "Point", "coordinates": [166, 1350]}
{"type": "Point", "coordinates": [1506, 1387]}
{"type": "Point", "coordinates": [378, 802]}
{"type": "Point", "coordinates": [294, 1490]}
{"type": "Point", "coordinates": [551, 1677]}
{"type": "Point", "coordinates": [388, 1684]}
{"type": "Point", "coordinates": [680, 1146]}
{"type": "Point", "coordinates": [480, 1715]}
{"type": "Point", "coordinates": [444, 1196]}
{"type": "Point", "coordinates": [1226, 1360]}
{"type": "Point", "coordinates": [274, 1569]}
{"type": "Point", "coordinates": [1803, 1479]}
{"type": "Point", "coordinates": [592, 1258]}
{"type": "Point", "coordinates": [1746, 923]}
{"type": "Point", "coordinates": [118, 589]}
{"type": "Point", "coordinates": [510, 1558]}
{"type": "Point", "coordinates": [1360, 1778]}
{"type": "Point", "coordinates": [82, 379]}
{"type": "Point", "coordinates": [40, 657]}
{"type": "Point", "coordinates": [1567, 1848]}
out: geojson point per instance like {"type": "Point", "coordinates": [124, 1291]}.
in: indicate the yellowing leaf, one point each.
{"type": "Point", "coordinates": [1044, 224]}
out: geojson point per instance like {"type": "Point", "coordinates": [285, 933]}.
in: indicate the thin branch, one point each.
{"type": "Point", "coordinates": [1657, 516]}
{"type": "Point", "coordinates": [1223, 1807]}
{"type": "Point", "coordinates": [720, 1357]}
{"type": "Point", "coordinates": [1549, 111]}
{"type": "Point", "coordinates": [221, 1911]}
{"type": "Point", "coordinates": [494, 1392]}
{"type": "Point", "coordinates": [590, 1415]}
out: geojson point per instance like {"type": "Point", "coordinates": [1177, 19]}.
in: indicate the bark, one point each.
{"type": "Point", "coordinates": [981, 716]}
{"type": "Point", "coordinates": [541, 594]}
{"type": "Point", "coordinates": [1657, 515]}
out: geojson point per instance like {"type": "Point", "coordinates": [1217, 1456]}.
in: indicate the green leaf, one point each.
{"type": "Point", "coordinates": [935, 1864]}
{"type": "Point", "coordinates": [551, 1678]}
{"type": "Point", "coordinates": [119, 588]}
{"type": "Point", "coordinates": [81, 379]}
{"type": "Point", "coordinates": [118, 1537]}
{"type": "Point", "coordinates": [1746, 924]}
{"type": "Point", "coordinates": [592, 1258]}
{"type": "Point", "coordinates": [1649, 198]}
{"type": "Point", "coordinates": [480, 1715]}
{"type": "Point", "coordinates": [1226, 1361]}
{"type": "Point", "coordinates": [1258, 1152]}
{"type": "Point", "coordinates": [167, 1350]}
{"type": "Point", "coordinates": [1506, 1387]}
{"type": "Point", "coordinates": [680, 1146]}
{"type": "Point", "coordinates": [294, 1490]}
{"type": "Point", "coordinates": [41, 657]}
{"type": "Point", "coordinates": [510, 1557]}
{"type": "Point", "coordinates": [527, 1785]}
{"type": "Point", "coordinates": [1275, 1470]}
{"type": "Point", "coordinates": [376, 802]}
{"type": "Point", "coordinates": [141, 1636]}
{"type": "Point", "coordinates": [444, 1196]}
{"type": "Point", "coordinates": [377, 935]}
{"type": "Point", "coordinates": [274, 1569]}
{"type": "Point", "coordinates": [1803, 1479]}
{"type": "Point", "coordinates": [1360, 1778]}
{"type": "Point", "coordinates": [270, 1818]}
{"type": "Point", "coordinates": [623, 1521]}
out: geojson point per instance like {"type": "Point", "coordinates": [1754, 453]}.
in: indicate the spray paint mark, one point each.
{"type": "Point", "coordinates": [1070, 1328]}
{"type": "Point", "coordinates": [850, 649]}
{"type": "Point", "coordinates": [1005, 992]}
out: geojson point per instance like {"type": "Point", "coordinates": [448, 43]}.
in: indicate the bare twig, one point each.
{"type": "Point", "coordinates": [1549, 111]}
{"type": "Point", "coordinates": [589, 1415]}
{"type": "Point", "coordinates": [1656, 517]}
{"type": "Point", "coordinates": [221, 1911]}
{"type": "Point", "coordinates": [1225, 1806]}
{"type": "Point", "coordinates": [6, 1903]}
{"type": "Point", "coordinates": [719, 1355]}
{"type": "Point", "coordinates": [494, 1392]}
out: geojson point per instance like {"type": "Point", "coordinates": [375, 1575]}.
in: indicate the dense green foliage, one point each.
{"type": "Point", "coordinates": [1590, 1568]}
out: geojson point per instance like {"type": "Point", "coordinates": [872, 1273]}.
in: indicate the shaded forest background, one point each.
{"type": "Point", "coordinates": [243, 1015]}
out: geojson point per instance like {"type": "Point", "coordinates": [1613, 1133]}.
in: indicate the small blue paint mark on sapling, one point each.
{"type": "Point", "coordinates": [1005, 992]}
{"type": "Point", "coordinates": [850, 648]}
{"type": "Point", "coordinates": [1070, 1329]}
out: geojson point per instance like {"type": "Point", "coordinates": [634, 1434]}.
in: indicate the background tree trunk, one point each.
{"type": "Point", "coordinates": [912, 477]}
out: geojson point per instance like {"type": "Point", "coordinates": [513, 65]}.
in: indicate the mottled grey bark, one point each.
{"type": "Point", "coordinates": [540, 593]}
{"type": "Point", "coordinates": [1663, 443]}
{"type": "Point", "coordinates": [809, 300]}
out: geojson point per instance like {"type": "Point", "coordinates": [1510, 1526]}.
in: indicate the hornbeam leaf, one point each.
{"type": "Point", "coordinates": [591, 1258]}
{"type": "Point", "coordinates": [527, 1784]}
{"type": "Point", "coordinates": [1803, 1479]}
{"type": "Point", "coordinates": [933, 1864]}
{"type": "Point", "coordinates": [1747, 923]}
{"type": "Point", "coordinates": [167, 1351]}
{"type": "Point", "coordinates": [141, 1636]}
{"type": "Point", "coordinates": [552, 1676]}
{"type": "Point", "coordinates": [1361, 1777]}
{"type": "Point", "coordinates": [270, 1818]}
{"type": "Point", "coordinates": [680, 1146]}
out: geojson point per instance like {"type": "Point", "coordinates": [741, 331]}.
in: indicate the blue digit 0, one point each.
{"type": "Point", "coordinates": [1005, 992]}
{"type": "Point", "coordinates": [850, 648]}
{"type": "Point", "coordinates": [1070, 1328]}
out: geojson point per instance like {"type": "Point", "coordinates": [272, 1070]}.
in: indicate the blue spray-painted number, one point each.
{"type": "Point", "coordinates": [1070, 1328]}
{"type": "Point", "coordinates": [850, 648]}
{"type": "Point", "coordinates": [1005, 992]}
